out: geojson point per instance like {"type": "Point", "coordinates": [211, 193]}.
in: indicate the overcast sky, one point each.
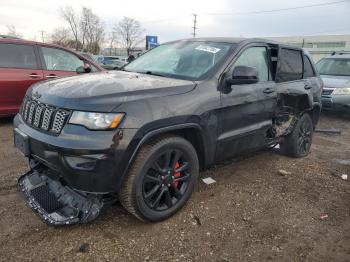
{"type": "Point", "coordinates": [172, 19]}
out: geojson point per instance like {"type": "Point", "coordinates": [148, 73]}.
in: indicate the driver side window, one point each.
{"type": "Point", "coordinates": [257, 58]}
{"type": "Point", "coordinates": [56, 59]}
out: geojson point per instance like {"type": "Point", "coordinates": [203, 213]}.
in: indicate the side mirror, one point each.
{"type": "Point", "coordinates": [243, 75]}
{"type": "Point", "coordinates": [86, 68]}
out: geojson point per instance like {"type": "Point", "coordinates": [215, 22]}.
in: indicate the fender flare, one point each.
{"type": "Point", "coordinates": [153, 133]}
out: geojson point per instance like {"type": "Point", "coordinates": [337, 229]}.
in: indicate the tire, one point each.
{"type": "Point", "coordinates": [153, 192]}
{"type": "Point", "coordinates": [298, 143]}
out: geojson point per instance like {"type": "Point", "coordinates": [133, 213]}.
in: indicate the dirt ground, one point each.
{"type": "Point", "coordinates": [252, 213]}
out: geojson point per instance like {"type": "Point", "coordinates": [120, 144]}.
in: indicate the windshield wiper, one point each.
{"type": "Point", "coordinates": [153, 73]}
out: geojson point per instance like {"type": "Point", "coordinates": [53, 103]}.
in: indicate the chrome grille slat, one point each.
{"type": "Point", "coordinates": [31, 112]}
{"type": "Point", "coordinates": [44, 117]}
{"type": "Point", "coordinates": [58, 121]}
{"type": "Point", "coordinates": [26, 109]}
{"type": "Point", "coordinates": [38, 114]}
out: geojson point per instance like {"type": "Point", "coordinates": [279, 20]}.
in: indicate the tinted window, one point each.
{"type": "Point", "coordinates": [17, 56]}
{"type": "Point", "coordinates": [290, 66]}
{"type": "Point", "coordinates": [255, 57]}
{"type": "Point", "coordinates": [60, 60]}
{"type": "Point", "coordinates": [308, 69]}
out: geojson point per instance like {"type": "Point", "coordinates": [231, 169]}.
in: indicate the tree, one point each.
{"type": "Point", "coordinates": [112, 39]}
{"type": "Point", "coordinates": [69, 15]}
{"type": "Point", "coordinates": [11, 31]}
{"type": "Point", "coordinates": [94, 33]}
{"type": "Point", "coordinates": [87, 29]}
{"type": "Point", "coordinates": [62, 37]}
{"type": "Point", "coordinates": [130, 33]}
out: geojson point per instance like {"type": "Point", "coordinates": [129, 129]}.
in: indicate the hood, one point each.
{"type": "Point", "coordinates": [336, 81]}
{"type": "Point", "coordinates": [102, 92]}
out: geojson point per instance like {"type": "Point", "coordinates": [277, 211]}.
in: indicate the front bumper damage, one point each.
{"type": "Point", "coordinates": [56, 203]}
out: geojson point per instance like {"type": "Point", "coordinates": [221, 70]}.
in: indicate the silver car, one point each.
{"type": "Point", "coordinates": [335, 73]}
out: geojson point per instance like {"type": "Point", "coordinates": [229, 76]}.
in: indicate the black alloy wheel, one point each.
{"type": "Point", "coordinates": [298, 142]}
{"type": "Point", "coordinates": [166, 180]}
{"type": "Point", "coordinates": [305, 137]}
{"type": "Point", "coordinates": [161, 179]}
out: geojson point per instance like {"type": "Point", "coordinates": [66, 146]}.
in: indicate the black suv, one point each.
{"type": "Point", "coordinates": [141, 135]}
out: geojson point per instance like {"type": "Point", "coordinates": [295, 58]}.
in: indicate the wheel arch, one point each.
{"type": "Point", "coordinates": [192, 132]}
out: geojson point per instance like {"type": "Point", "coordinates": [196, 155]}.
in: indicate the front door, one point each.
{"type": "Point", "coordinates": [247, 110]}
{"type": "Point", "coordinates": [60, 63]}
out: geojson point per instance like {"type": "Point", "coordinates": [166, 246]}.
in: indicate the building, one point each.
{"type": "Point", "coordinates": [318, 46]}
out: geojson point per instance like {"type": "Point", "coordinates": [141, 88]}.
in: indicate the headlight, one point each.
{"type": "Point", "coordinates": [96, 121]}
{"type": "Point", "coordinates": [341, 91]}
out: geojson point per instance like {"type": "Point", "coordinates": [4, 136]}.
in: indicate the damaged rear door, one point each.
{"type": "Point", "coordinates": [247, 109]}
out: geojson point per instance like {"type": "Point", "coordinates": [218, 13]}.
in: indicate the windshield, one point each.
{"type": "Point", "coordinates": [334, 66]}
{"type": "Point", "coordinates": [184, 59]}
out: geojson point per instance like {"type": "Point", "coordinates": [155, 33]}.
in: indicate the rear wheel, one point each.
{"type": "Point", "coordinates": [161, 179]}
{"type": "Point", "coordinates": [298, 143]}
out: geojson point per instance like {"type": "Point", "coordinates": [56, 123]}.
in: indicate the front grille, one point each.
{"type": "Point", "coordinates": [43, 117]}
{"type": "Point", "coordinates": [327, 92]}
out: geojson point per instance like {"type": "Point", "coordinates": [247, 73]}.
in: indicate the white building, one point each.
{"type": "Point", "coordinates": [318, 46]}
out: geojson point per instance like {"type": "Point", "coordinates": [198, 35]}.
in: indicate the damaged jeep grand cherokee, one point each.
{"type": "Point", "coordinates": [141, 135]}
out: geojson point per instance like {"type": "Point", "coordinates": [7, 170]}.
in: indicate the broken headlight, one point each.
{"type": "Point", "coordinates": [96, 121]}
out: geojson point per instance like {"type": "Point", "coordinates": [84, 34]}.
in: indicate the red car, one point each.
{"type": "Point", "coordinates": [23, 63]}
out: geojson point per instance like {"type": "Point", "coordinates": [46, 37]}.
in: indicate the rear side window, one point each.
{"type": "Point", "coordinates": [308, 69]}
{"type": "Point", "coordinates": [17, 56]}
{"type": "Point", "coordinates": [290, 66]}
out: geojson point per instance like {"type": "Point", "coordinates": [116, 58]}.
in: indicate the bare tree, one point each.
{"type": "Point", "coordinates": [112, 39]}
{"type": "Point", "coordinates": [69, 15]}
{"type": "Point", "coordinates": [86, 28]}
{"type": "Point", "coordinates": [61, 36]}
{"type": "Point", "coordinates": [11, 31]}
{"type": "Point", "coordinates": [129, 32]}
{"type": "Point", "coordinates": [86, 17]}
{"type": "Point", "coordinates": [94, 34]}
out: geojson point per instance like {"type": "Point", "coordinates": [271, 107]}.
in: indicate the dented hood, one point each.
{"type": "Point", "coordinates": [104, 91]}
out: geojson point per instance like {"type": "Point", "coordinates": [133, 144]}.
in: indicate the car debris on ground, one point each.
{"type": "Point", "coordinates": [324, 216]}
{"type": "Point", "coordinates": [284, 172]}
{"type": "Point", "coordinates": [208, 180]}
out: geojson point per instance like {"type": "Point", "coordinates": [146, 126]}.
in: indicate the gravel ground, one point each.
{"type": "Point", "coordinates": [252, 213]}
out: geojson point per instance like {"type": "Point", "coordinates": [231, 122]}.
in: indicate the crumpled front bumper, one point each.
{"type": "Point", "coordinates": [56, 203]}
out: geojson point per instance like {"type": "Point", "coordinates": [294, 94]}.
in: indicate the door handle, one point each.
{"type": "Point", "coordinates": [268, 90]}
{"type": "Point", "coordinates": [51, 76]}
{"type": "Point", "coordinates": [33, 75]}
{"type": "Point", "coordinates": [307, 86]}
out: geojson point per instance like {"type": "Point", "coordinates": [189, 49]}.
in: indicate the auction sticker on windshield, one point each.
{"type": "Point", "coordinates": [207, 48]}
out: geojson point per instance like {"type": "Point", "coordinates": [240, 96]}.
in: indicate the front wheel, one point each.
{"type": "Point", "coordinates": [161, 179]}
{"type": "Point", "coordinates": [298, 143]}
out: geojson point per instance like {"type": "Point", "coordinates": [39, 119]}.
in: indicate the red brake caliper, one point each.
{"type": "Point", "coordinates": [177, 174]}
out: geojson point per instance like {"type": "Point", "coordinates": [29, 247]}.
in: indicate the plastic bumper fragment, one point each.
{"type": "Point", "coordinates": [55, 203]}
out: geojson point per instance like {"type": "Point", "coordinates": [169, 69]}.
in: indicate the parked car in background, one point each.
{"type": "Point", "coordinates": [141, 135]}
{"type": "Point", "coordinates": [335, 72]}
{"type": "Point", "coordinates": [103, 59]}
{"type": "Point", "coordinates": [113, 64]}
{"type": "Point", "coordinates": [88, 56]}
{"type": "Point", "coordinates": [23, 63]}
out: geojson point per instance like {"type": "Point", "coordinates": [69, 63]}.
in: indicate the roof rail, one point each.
{"type": "Point", "coordinates": [340, 52]}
